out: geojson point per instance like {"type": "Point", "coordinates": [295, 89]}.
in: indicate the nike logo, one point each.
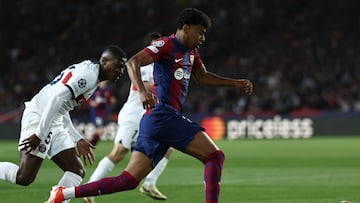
{"type": "Point", "coordinates": [178, 60]}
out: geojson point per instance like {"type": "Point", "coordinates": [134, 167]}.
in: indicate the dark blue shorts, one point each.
{"type": "Point", "coordinates": [163, 128]}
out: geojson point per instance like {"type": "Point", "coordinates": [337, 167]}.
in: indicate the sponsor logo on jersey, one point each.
{"type": "Point", "coordinates": [179, 74]}
{"type": "Point", "coordinates": [82, 83]}
{"type": "Point", "coordinates": [178, 60]}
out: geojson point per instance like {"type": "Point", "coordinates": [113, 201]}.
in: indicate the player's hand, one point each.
{"type": "Point", "coordinates": [29, 144]}
{"type": "Point", "coordinates": [148, 100]}
{"type": "Point", "coordinates": [244, 83]}
{"type": "Point", "coordinates": [84, 150]}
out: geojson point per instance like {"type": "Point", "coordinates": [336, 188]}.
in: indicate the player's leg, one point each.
{"type": "Point", "coordinates": [63, 154]}
{"type": "Point", "coordinates": [149, 186]}
{"type": "Point", "coordinates": [25, 173]}
{"type": "Point", "coordinates": [107, 163]}
{"type": "Point", "coordinates": [99, 131]}
{"type": "Point", "coordinates": [137, 168]}
{"type": "Point", "coordinates": [126, 135]}
{"type": "Point", "coordinates": [203, 148]}
{"type": "Point", "coordinates": [29, 165]}
{"type": "Point", "coordinates": [71, 164]}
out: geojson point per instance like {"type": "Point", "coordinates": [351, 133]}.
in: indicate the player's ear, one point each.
{"type": "Point", "coordinates": [186, 28]}
{"type": "Point", "coordinates": [103, 60]}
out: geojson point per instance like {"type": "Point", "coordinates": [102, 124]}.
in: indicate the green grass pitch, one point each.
{"type": "Point", "coordinates": [316, 170]}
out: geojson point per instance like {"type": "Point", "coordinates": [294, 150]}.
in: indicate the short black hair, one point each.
{"type": "Point", "coordinates": [150, 37]}
{"type": "Point", "coordinates": [192, 16]}
{"type": "Point", "coordinates": [116, 51]}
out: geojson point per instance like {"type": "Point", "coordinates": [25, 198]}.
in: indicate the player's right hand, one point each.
{"type": "Point", "coordinates": [29, 144]}
{"type": "Point", "coordinates": [148, 100]}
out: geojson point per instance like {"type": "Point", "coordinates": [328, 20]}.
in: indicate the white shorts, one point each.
{"type": "Point", "coordinates": [56, 141]}
{"type": "Point", "coordinates": [127, 133]}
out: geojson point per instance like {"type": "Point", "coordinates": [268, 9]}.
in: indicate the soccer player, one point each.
{"type": "Point", "coordinates": [46, 126]}
{"type": "Point", "coordinates": [99, 103]}
{"type": "Point", "coordinates": [127, 133]}
{"type": "Point", "coordinates": [175, 59]}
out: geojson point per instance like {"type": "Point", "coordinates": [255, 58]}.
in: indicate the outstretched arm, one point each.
{"type": "Point", "coordinates": [203, 77]}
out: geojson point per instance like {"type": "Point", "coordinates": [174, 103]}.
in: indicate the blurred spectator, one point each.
{"type": "Point", "coordinates": [300, 54]}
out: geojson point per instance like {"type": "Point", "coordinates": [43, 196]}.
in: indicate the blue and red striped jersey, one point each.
{"type": "Point", "coordinates": [173, 64]}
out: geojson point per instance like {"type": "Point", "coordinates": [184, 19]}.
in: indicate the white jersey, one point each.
{"type": "Point", "coordinates": [81, 80]}
{"type": "Point", "coordinates": [133, 109]}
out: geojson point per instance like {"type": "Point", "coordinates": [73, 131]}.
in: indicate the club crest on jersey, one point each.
{"type": "Point", "coordinates": [82, 83]}
{"type": "Point", "coordinates": [42, 148]}
{"type": "Point", "coordinates": [179, 74]}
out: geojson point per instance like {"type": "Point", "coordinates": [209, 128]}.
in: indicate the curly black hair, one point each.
{"type": "Point", "coordinates": [192, 16]}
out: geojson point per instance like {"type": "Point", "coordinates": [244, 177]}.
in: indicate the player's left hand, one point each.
{"type": "Point", "coordinates": [84, 149]}
{"type": "Point", "coordinates": [244, 83]}
{"type": "Point", "coordinates": [29, 144]}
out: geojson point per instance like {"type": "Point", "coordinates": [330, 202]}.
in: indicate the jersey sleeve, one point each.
{"type": "Point", "coordinates": [81, 79]}
{"type": "Point", "coordinates": [160, 49]}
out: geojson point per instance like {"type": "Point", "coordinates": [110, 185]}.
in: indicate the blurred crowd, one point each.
{"type": "Point", "coordinates": [300, 54]}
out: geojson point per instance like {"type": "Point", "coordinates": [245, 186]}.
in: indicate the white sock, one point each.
{"type": "Point", "coordinates": [104, 167]}
{"type": "Point", "coordinates": [70, 179]}
{"type": "Point", "coordinates": [152, 177]}
{"type": "Point", "coordinates": [69, 193]}
{"type": "Point", "coordinates": [8, 172]}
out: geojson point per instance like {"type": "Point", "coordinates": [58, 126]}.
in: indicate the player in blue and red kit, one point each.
{"type": "Point", "coordinates": [100, 103]}
{"type": "Point", "coordinates": [175, 58]}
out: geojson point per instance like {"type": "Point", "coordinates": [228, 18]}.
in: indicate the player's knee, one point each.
{"type": "Point", "coordinates": [24, 180]}
{"type": "Point", "coordinates": [217, 157]}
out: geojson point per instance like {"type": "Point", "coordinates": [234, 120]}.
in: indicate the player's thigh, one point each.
{"type": "Point", "coordinates": [139, 165]}
{"type": "Point", "coordinates": [201, 146]}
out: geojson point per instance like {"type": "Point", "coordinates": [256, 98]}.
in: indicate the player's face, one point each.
{"type": "Point", "coordinates": [113, 67]}
{"type": "Point", "coordinates": [196, 36]}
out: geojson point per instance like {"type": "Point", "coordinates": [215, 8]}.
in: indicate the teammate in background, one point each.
{"type": "Point", "coordinates": [175, 59]}
{"type": "Point", "coordinates": [100, 103]}
{"type": "Point", "coordinates": [46, 126]}
{"type": "Point", "coordinates": [128, 120]}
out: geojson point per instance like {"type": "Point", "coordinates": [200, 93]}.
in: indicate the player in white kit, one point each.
{"type": "Point", "coordinates": [128, 120]}
{"type": "Point", "coordinates": [46, 126]}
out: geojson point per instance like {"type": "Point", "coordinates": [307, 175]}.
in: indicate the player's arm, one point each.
{"type": "Point", "coordinates": [204, 77]}
{"type": "Point", "coordinates": [83, 147]}
{"type": "Point", "coordinates": [133, 66]}
{"type": "Point", "coordinates": [52, 107]}
{"type": "Point", "coordinates": [46, 119]}
{"type": "Point", "coordinates": [68, 125]}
